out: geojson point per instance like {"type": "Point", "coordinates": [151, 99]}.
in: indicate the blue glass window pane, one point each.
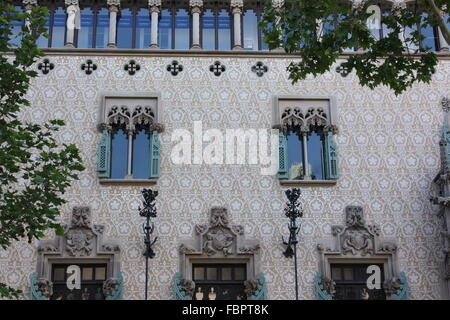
{"type": "Point", "coordinates": [386, 29]}
{"type": "Point", "coordinates": [250, 27]}
{"type": "Point", "coordinates": [59, 28]}
{"type": "Point", "coordinates": [224, 30]}
{"type": "Point", "coordinates": [295, 156]}
{"type": "Point", "coordinates": [141, 155]}
{"type": "Point", "coordinates": [428, 32]}
{"type": "Point", "coordinates": [143, 29]}
{"type": "Point", "coordinates": [17, 28]}
{"type": "Point", "coordinates": [42, 41]}
{"type": "Point", "coordinates": [85, 34]}
{"type": "Point", "coordinates": [264, 45]}
{"type": "Point", "coordinates": [119, 154]}
{"type": "Point", "coordinates": [125, 29]}
{"type": "Point", "coordinates": [182, 29]}
{"type": "Point", "coordinates": [315, 156]}
{"type": "Point", "coordinates": [407, 34]}
{"type": "Point", "coordinates": [165, 30]}
{"type": "Point", "coordinates": [102, 31]}
{"type": "Point", "coordinates": [208, 30]}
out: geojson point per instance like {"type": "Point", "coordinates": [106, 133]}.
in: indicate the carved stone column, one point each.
{"type": "Point", "coordinates": [443, 45]}
{"type": "Point", "coordinates": [72, 22]}
{"type": "Point", "coordinates": [155, 8]}
{"type": "Point", "coordinates": [113, 7]}
{"type": "Point", "coordinates": [28, 5]}
{"type": "Point", "coordinates": [196, 9]}
{"type": "Point", "coordinates": [236, 11]}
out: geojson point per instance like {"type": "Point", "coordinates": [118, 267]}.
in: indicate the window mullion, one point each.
{"type": "Point", "coordinates": [130, 153]}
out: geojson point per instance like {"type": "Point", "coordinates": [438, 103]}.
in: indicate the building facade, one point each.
{"type": "Point", "coordinates": [367, 162]}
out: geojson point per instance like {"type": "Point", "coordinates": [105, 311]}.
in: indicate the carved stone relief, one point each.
{"type": "Point", "coordinates": [81, 240]}
{"type": "Point", "coordinates": [361, 241]}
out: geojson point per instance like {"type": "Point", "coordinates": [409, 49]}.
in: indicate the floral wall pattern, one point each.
{"type": "Point", "coordinates": [388, 152]}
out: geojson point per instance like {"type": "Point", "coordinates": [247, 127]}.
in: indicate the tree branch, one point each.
{"type": "Point", "coordinates": [442, 25]}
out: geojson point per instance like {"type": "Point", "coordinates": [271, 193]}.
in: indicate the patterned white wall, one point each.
{"type": "Point", "coordinates": [388, 151]}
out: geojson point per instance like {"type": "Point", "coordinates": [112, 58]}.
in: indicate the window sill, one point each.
{"type": "Point", "coordinates": [308, 183]}
{"type": "Point", "coordinates": [106, 181]}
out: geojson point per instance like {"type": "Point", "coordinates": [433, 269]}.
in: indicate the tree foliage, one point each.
{"type": "Point", "coordinates": [35, 171]}
{"type": "Point", "coordinates": [321, 31]}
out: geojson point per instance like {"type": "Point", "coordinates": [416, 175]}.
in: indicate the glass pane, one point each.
{"type": "Point", "coordinates": [85, 34]}
{"type": "Point", "coordinates": [199, 273]}
{"type": "Point", "coordinates": [143, 29]}
{"type": "Point", "coordinates": [182, 29]}
{"type": "Point", "coordinates": [100, 273]}
{"type": "Point", "coordinates": [165, 30]}
{"type": "Point", "coordinates": [226, 274]}
{"type": "Point", "coordinates": [211, 273]}
{"type": "Point", "coordinates": [42, 41]}
{"type": "Point", "coordinates": [141, 155]}
{"type": "Point", "coordinates": [386, 29]}
{"type": "Point", "coordinates": [102, 32]}
{"type": "Point", "coordinates": [239, 274]}
{"type": "Point", "coordinates": [59, 28]}
{"type": "Point", "coordinates": [250, 27]}
{"type": "Point", "coordinates": [58, 274]}
{"type": "Point", "coordinates": [17, 28]}
{"type": "Point", "coordinates": [208, 31]}
{"type": "Point", "coordinates": [125, 29]}
{"type": "Point", "coordinates": [348, 274]}
{"type": "Point", "coordinates": [119, 154]}
{"type": "Point", "coordinates": [87, 274]}
{"type": "Point", "coordinates": [407, 34]}
{"type": "Point", "coordinates": [429, 41]}
{"type": "Point", "coordinates": [295, 156]}
{"type": "Point", "coordinates": [315, 156]}
{"type": "Point", "coordinates": [336, 274]}
{"type": "Point", "coordinates": [224, 30]}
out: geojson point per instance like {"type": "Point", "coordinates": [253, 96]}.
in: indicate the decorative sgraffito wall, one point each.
{"type": "Point", "coordinates": [388, 149]}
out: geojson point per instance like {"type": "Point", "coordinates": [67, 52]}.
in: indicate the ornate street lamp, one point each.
{"type": "Point", "coordinates": [293, 211]}
{"type": "Point", "coordinates": [148, 211]}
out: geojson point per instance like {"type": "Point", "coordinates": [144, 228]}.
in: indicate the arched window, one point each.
{"type": "Point", "coordinates": [85, 35]}
{"type": "Point", "coordinates": [125, 29]}
{"type": "Point", "coordinates": [216, 29]}
{"type": "Point", "coordinates": [182, 34]}
{"type": "Point", "coordinates": [250, 30]}
{"type": "Point", "coordinates": [58, 28]}
{"type": "Point", "coordinates": [141, 154]}
{"type": "Point", "coordinates": [295, 156]}
{"type": "Point", "coordinates": [209, 29]}
{"type": "Point", "coordinates": [119, 152]}
{"type": "Point", "coordinates": [142, 29]}
{"type": "Point", "coordinates": [15, 38]}
{"type": "Point", "coordinates": [102, 28]}
{"type": "Point", "coordinates": [165, 29]}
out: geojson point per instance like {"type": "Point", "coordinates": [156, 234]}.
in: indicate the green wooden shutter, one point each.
{"type": "Point", "coordinates": [154, 155]}
{"type": "Point", "coordinates": [446, 136]}
{"type": "Point", "coordinates": [104, 155]}
{"type": "Point", "coordinates": [282, 157]}
{"type": "Point", "coordinates": [331, 159]}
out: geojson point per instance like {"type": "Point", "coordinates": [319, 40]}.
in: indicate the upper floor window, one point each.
{"type": "Point", "coordinates": [174, 28]}
{"type": "Point", "coordinates": [94, 27]}
{"type": "Point", "coordinates": [252, 35]}
{"type": "Point", "coordinates": [429, 34]}
{"type": "Point", "coordinates": [307, 146]}
{"type": "Point", "coordinates": [216, 29]}
{"type": "Point", "coordinates": [129, 146]}
{"type": "Point", "coordinates": [56, 25]}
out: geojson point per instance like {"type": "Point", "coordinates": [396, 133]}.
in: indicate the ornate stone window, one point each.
{"type": "Point", "coordinates": [219, 263]}
{"type": "Point", "coordinates": [307, 150]}
{"type": "Point", "coordinates": [129, 147]}
{"type": "Point", "coordinates": [344, 259]}
{"type": "Point", "coordinates": [82, 245]}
